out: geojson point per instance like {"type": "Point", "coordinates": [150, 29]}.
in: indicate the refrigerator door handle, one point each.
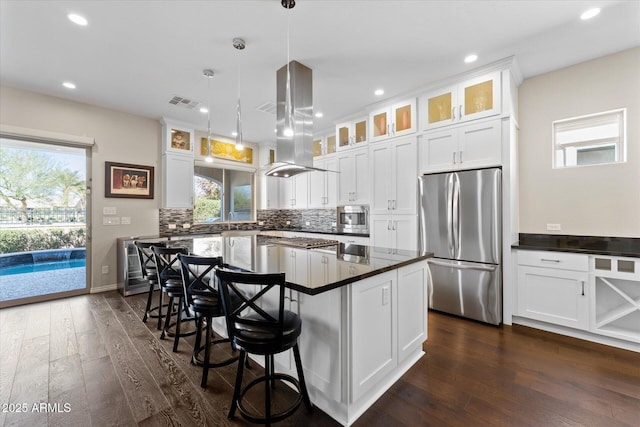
{"type": "Point", "coordinates": [462, 267]}
{"type": "Point", "coordinates": [450, 238]}
{"type": "Point", "coordinates": [456, 216]}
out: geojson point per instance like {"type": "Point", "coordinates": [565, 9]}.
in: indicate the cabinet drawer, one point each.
{"type": "Point", "coordinates": [551, 259]}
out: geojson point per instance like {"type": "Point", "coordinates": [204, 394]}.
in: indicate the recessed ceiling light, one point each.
{"type": "Point", "coordinates": [319, 114]}
{"type": "Point", "coordinates": [77, 19]}
{"type": "Point", "coordinates": [471, 58]}
{"type": "Point", "coordinates": [378, 92]}
{"type": "Point", "coordinates": [590, 13]}
{"type": "Point", "coordinates": [204, 110]}
{"type": "Point", "coordinates": [69, 85]}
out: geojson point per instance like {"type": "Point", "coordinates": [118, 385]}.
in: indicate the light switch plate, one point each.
{"type": "Point", "coordinates": [125, 220]}
{"type": "Point", "coordinates": [109, 210]}
{"type": "Point", "coordinates": [553, 227]}
{"type": "Point", "coordinates": [110, 220]}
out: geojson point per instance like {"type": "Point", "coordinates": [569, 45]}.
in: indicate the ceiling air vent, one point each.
{"type": "Point", "coordinates": [268, 107]}
{"type": "Point", "coordinates": [183, 102]}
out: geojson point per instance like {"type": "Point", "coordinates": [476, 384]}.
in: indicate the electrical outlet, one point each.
{"type": "Point", "coordinates": [186, 225]}
{"type": "Point", "coordinates": [260, 222]}
{"type": "Point", "coordinates": [385, 295]}
{"type": "Point", "coordinates": [172, 226]}
{"type": "Point", "coordinates": [105, 269]}
{"type": "Point", "coordinates": [288, 222]}
{"type": "Point", "coordinates": [307, 223]}
{"type": "Point", "coordinates": [553, 227]}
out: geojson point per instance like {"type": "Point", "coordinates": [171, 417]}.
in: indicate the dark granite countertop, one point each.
{"type": "Point", "coordinates": [612, 246]}
{"type": "Point", "coordinates": [316, 270]}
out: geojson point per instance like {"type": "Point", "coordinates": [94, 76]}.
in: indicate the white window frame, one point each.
{"type": "Point", "coordinates": [599, 130]}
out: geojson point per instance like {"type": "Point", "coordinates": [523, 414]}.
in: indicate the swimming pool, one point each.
{"type": "Point", "coordinates": [42, 266]}
{"type": "Point", "coordinates": [35, 261]}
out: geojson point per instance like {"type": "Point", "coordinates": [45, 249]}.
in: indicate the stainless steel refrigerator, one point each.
{"type": "Point", "coordinates": [461, 223]}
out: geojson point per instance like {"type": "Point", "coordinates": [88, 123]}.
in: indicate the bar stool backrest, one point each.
{"type": "Point", "coordinates": [249, 315]}
{"type": "Point", "coordinates": [198, 273]}
{"type": "Point", "coordinates": [146, 257]}
{"type": "Point", "coordinates": [167, 263]}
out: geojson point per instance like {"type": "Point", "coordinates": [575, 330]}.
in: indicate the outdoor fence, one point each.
{"type": "Point", "coordinates": [37, 216]}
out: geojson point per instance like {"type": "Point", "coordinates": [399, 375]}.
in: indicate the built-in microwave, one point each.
{"type": "Point", "coordinates": [353, 219]}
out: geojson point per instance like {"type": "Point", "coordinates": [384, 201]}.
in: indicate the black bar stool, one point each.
{"type": "Point", "coordinates": [150, 273]}
{"type": "Point", "coordinates": [204, 300]}
{"type": "Point", "coordinates": [170, 277]}
{"type": "Point", "coordinates": [265, 332]}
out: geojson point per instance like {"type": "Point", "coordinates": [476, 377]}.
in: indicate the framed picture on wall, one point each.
{"type": "Point", "coordinates": [180, 141]}
{"type": "Point", "coordinates": [128, 181]}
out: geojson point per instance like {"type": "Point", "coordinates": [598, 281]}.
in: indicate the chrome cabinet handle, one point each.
{"type": "Point", "coordinates": [460, 157]}
{"type": "Point", "coordinates": [454, 157]}
{"type": "Point", "coordinates": [549, 260]}
{"type": "Point", "coordinates": [582, 287]}
{"type": "Point", "coordinates": [453, 114]}
{"type": "Point", "coordinates": [394, 204]}
{"type": "Point", "coordinates": [388, 127]}
{"type": "Point", "coordinates": [393, 129]}
{"type": "Point", "coordinates": [460, 112]}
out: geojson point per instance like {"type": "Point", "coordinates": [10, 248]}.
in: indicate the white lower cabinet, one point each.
{"type": "Point", "coordinates": [592, 293]}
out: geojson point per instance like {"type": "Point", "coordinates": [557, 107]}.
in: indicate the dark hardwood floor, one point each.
{"type": "Point", "coordinates": [95, 363]}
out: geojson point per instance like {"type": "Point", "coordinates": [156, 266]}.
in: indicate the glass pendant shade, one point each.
{"type": "Point", "coordinates": [239, 144]}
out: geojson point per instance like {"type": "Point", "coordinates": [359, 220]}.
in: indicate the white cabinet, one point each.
{"type": "Point", "coordinates": [177, 188]}
{"type": "Point", "coordinates": [462, 147]}
{"type": "Point", "coordinates": [352, 134]}
{"type": "Point", "coordinates": [615, 305]}
{"type": "Point", "coordinates": [470, 100]}
{"type": "Point", "coordinates": [394, 120]}
{"type": "Point", "coordinates": [394, 176]}
{"type": "Point", "coordinates": [412, 316]}
{"type": "Point", "coordinates": [390, 232]}
{"type": "Point", "coordinates": [293, 191]}
{"type": "Point", "coordinates": [353, 177]}
{"type": "Point", "coordinates": [323, 145]}
{"type": "Point", "coordinates": [553, 287]}
{"type": "Point", "coordinates": [323, 186]}
{"type": "Point", "coordinates": [270, 192]}
{"type": "Point", "coordinates": [373, 331]}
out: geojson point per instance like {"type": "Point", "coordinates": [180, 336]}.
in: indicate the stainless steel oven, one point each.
{"type": "Point", "coordinates": [353, 219]}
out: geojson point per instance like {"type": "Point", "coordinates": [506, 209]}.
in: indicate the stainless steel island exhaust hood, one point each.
{"type": "Point", "coordinates": [294, 128]}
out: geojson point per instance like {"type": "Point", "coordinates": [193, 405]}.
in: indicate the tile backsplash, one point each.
{"type": "Point", "coordinates": [308, 219]}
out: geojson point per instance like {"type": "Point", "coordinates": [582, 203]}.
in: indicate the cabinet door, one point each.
{"type": "Point", "coordinates": [178, 181]}
{"type": "Point", "coordinates": [317, 186]}
{"type": "Point", "coordinates": [346, 178]}
{"type": "Point", "coordinates": [439, 107]}
{"type": "Point", "coordinates": [405, 176]}
{"type": "Point", "coordinates": [480, 145]}
{"type": "Point", "coordinates": [412, 312]}
{"type": "Point", "coordinates": [270, 188]}
{"type": "Point", "coordinates": [382, 178]}
{"type": "Point", "coordinates": [373, 331]}
{"type": "Point", "coordinates": [480, 97]}
{"type": "Point", "coordinates": [361, 177]}
{"type": "Point", "coordinates": [360, 131]}
{"type": "Point", "coordinates": [330, 144]}
{"type": "Point", "coordinates": [343, 134]}
{"type": "Point", "coordinates": [404, 118]}
{"type": "Point", "coordinates": [286, 193]}
{"type": "Point", "coordinates": [331, 183]}
{"type": "Point", "coordinates": [438, 150]}
{"type": "Point", "coordinates": [381, 232]}
{"type": "Point", "coordinates": [405, 232]}
{"type": "Point", "coordinates": [555, 296]}
{"type": "Point", "coordinates": [380, 123]}
{"type": "Point", "coordinates": [301, 190]}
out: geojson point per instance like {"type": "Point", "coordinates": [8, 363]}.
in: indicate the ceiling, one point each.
{"type": "Point", "coordinates": [134, 56]}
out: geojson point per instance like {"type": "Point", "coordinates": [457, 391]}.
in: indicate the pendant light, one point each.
{"type": "Point", "coordinates": [239, 44]}
{"type": "Point", "coordinates": [208, 73]}
{"type": "Point", "coordinates": [288, 129]}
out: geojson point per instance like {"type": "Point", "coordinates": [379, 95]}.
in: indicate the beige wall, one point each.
{"type": "Point", "coordinates": [119, 137]}
{"type": "Point", "coordinates": [600, 200]}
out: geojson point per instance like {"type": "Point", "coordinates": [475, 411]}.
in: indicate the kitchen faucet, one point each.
{"type": "Point", "coordinates": [229, 219]}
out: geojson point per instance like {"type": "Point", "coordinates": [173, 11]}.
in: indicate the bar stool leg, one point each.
{"type": "Point", "coordinates": [198, 342]}
{"type": "Point", "coordinates": [160, 310]}
{"type": "Point", "coordinates": [238, 386]}
{"type": "Point", "coordinates": [167, 320]}
{"type": "Point", "coordinates": [303, 384]}
{"type": "Point", "coordinates": [207, 352]}
{"type": "Point", "coordinates": [178, 323]}
{"type": "Point", "coordinates": [149, 301]}
{"type": "Point", "coordinates": [268, 384]}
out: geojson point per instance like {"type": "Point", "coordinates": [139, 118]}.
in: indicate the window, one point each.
{"type": "Point", "coordinates": [588, 140]}
{"type": "Point", "coordinates": [222, 194]}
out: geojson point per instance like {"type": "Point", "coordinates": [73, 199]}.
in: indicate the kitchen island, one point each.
{"type": "Point", "coordinates": [364, 317]}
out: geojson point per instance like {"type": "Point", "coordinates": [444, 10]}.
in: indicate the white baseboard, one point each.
{"type": "Point", "coordinates": [103, 288]}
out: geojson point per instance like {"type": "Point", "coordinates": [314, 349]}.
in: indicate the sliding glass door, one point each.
{"type": "Point", "coordinates": [43, 221]}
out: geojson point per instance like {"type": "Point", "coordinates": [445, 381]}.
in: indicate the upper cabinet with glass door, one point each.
{"type": "Point", "coordinates": [352, 134]}
{"type": "Point", "coordinates": [472, 99]}
{"type": "Point", "coordinates": [323, 145]}
{"type": "Point", "coordinates": [395, 120]}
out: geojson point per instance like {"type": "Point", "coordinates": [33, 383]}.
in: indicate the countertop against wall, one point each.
{"type": "Point", "coordinates": [596, 245]}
